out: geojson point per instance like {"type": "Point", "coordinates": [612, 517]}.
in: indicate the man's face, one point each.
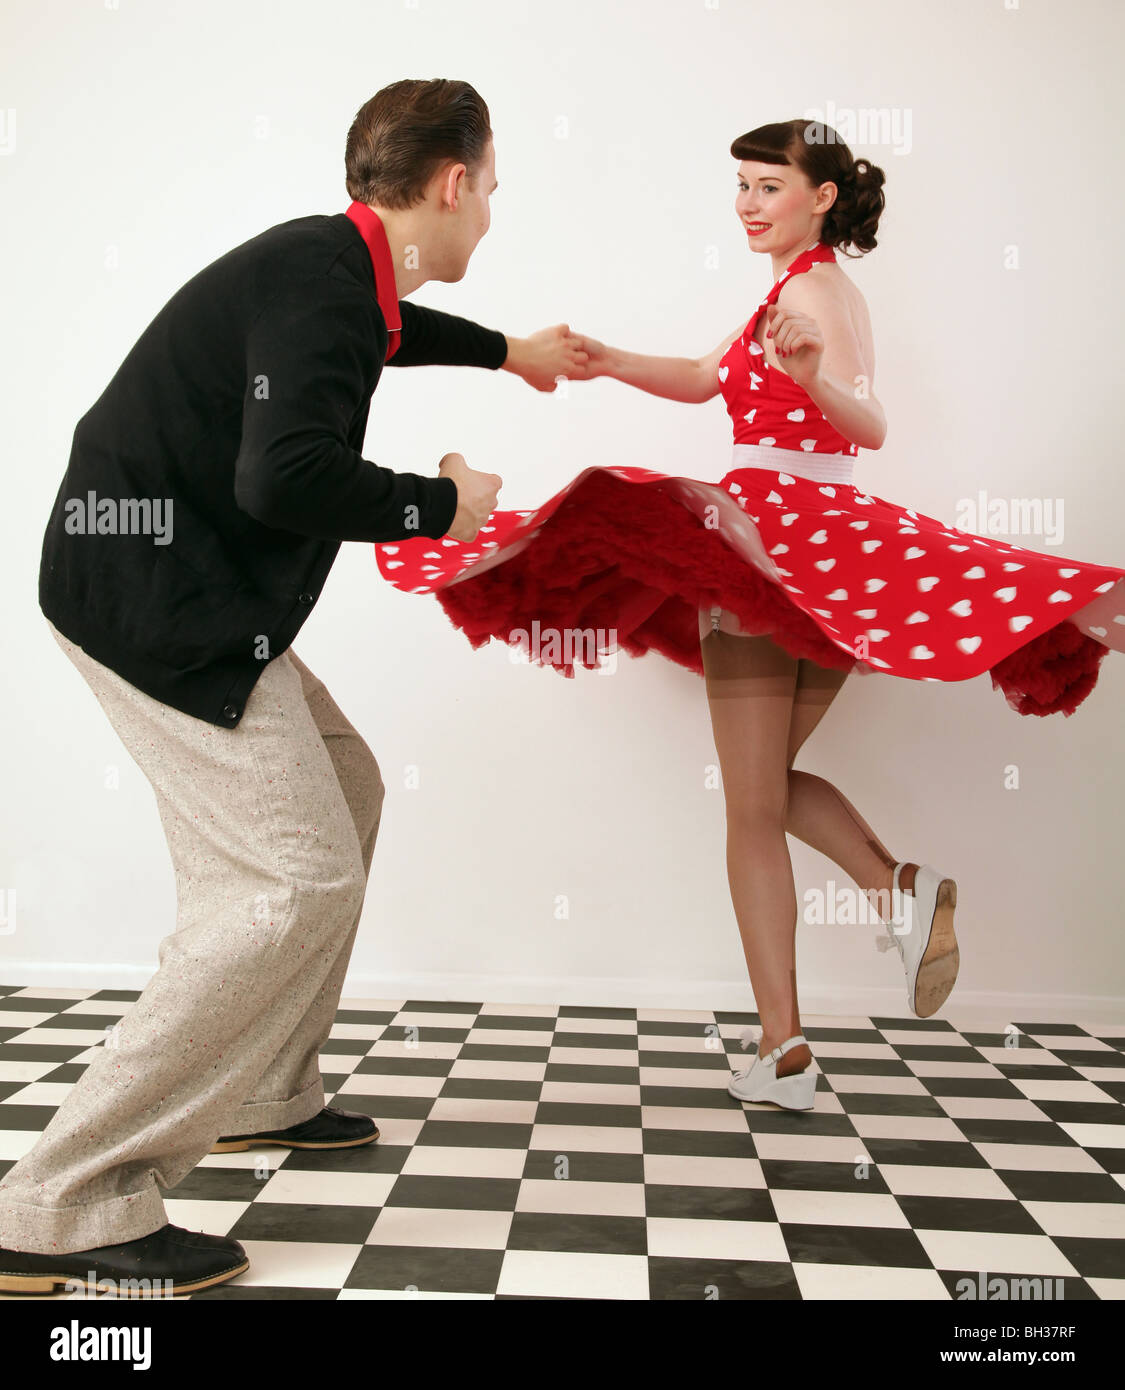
{"type": "Point", "coordinates": [473, 213]}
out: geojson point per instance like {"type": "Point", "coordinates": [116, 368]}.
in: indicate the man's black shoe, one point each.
{"type": "Point", "coordinates": [165, 1263]}
{"type": "Point", "coordinates": [331, 1129]}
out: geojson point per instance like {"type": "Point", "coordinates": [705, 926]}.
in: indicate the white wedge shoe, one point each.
{"type": "Point", "coordinates": [760, 1082]}
{"type": "Point", "coordinates": [922, 933]}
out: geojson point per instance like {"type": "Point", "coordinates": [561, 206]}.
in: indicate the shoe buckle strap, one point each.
{"type": "Point", "coordinates": [898, 918]}
{"type": "Point", "coordinates": [775, 1054]}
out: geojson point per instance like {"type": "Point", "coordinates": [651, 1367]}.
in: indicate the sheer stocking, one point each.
{"type": "Point", "coordinates": [764, 704]}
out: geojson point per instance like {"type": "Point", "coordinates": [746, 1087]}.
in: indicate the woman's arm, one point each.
{"type": "Point", "coordinates": [817, 346]}
{"type": "Point", "coordinates": [689, 379]}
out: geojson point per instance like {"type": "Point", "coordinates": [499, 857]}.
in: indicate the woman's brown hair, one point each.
{"type": "Point", "coordinates": [822, 157]}
{"type": "Point", "coordinates": [406, 132]}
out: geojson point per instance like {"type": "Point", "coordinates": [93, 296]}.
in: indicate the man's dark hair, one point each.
{"type": "Point", "coordinates": [407, 132]}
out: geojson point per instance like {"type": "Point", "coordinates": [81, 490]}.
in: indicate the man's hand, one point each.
{"type": "Point", "coordinates": [545, 356]}
{"type": "Point", "coordinates": [476, 496]}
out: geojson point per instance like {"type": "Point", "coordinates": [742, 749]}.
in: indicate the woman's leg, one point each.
{"type": "Point", "coordinates": [821, 816]}
{"type": "Point", "coordinates": [750, 684]}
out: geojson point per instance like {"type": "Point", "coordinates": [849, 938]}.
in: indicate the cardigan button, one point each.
{"type": "Point", "coordinates": [305, 598]}
{"type": "Point", "coordinates": [230, 711]}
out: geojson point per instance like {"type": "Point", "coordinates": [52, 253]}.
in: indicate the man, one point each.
{"type": "Point", "coordinates": [206, 497]}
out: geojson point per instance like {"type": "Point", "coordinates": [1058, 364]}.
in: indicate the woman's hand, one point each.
{"type": "Point", "coordinates": [594, 357]}
{"type": "Point", "coordinates": [797, 341]}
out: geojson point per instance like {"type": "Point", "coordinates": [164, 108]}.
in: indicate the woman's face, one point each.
{"type": "Point", "coordinates": [777, 206]}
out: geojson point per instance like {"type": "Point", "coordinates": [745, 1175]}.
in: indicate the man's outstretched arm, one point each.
{"type": "Point", "coordinates": [431, 337]}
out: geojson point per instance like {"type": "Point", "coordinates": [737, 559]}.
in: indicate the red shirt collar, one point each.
{"type": "Point", "coordinates": [370, 226]}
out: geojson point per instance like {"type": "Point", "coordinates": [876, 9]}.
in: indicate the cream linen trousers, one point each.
{"type": "Point", "coordinates": [271, 827]}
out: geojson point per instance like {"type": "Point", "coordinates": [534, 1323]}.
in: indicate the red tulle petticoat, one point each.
{"type": "Point", "coordinates": [630, 556]}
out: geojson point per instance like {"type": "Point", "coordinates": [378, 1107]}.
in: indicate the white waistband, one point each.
{"type": "Point", "coordinates": [821, 468]}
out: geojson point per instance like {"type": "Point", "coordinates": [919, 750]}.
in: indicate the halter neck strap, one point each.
{"type": "Point", "coordinates": [808, 258]}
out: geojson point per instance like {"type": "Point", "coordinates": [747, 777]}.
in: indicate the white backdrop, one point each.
{"type": "Point", "coordinates": [143, 141]}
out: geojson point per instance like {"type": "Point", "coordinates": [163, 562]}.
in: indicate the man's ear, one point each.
{"type": "Point", "coordinates": [451, 185]}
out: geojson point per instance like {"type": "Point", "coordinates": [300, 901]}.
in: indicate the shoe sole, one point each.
{"type": "Point", "coordinates": [770, 1100]}
{"type": "Point", "coordinates": [937, 972]}
{"type": "Point", "coordinates": [46, 1283]}
{"type": "Point", "coordinates": [234, 1146]}
{"type": "Point", "coordinates": [775, 1103]}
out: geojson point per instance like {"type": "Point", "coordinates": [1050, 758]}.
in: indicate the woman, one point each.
{"type": "Point", "coordinates": [777, 581]}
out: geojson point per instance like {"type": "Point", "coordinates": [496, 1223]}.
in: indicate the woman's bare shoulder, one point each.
{"type": "Point", "coordinates": [824, 284]}
{"type": "Point", "coordinates": [829, 288]}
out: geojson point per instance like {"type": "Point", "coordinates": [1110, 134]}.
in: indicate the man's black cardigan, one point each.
{"type": "Point", "coordinates": [244, 406]}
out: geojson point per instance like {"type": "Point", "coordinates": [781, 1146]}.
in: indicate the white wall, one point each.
{"type": "Point", "coordinates": [163, 134]}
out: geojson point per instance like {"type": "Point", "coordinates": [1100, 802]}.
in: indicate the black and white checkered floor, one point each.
{"type": "Point", "coordinates": [535, 1151]}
